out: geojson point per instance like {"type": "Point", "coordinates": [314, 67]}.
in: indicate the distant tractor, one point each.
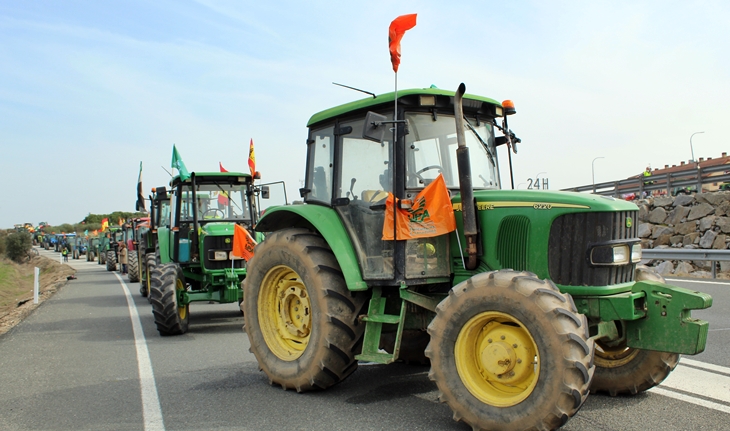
{"type": "Point", "coordinates": [196, 263]}
{"type": "Point", "coordinates": [535, 300]}
{"type": "Point", "coordinates": [149, 247]}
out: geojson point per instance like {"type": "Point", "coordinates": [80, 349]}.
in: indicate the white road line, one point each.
{"type": "Point", "coordinates": [705, 365]}
{"type": "Point", "coordinates": [699, 382]}
{"type": "Point", "coordinates": [692, 400]}
{"type": "Point", "coordinates": [151, 410]}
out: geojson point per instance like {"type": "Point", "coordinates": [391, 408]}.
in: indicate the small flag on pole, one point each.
{"type": "Point", "coordinates": [395, 33]}
{"type": "Point", "coordinates": [243, 243]}
{"type": "Point", "coordinates": [140, 195]}
{"type": "Point", "coordinates": [104, 224]}
{"type": "Point", "coordinates": [222, 196]}
{"type": "Point", "coordinates": [251, 159]}
{"type": "Point", "coordinates": [178, 164]}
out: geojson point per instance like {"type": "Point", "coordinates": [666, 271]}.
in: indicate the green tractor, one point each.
{"type": "Point", "coordinates": [109, 248]}
{"type": "Point", "coordinates": [533, 301]}
{"type": "Point", "coordinates": [195, 250]}
{"type": "Point", "coordinates": [149, 249]}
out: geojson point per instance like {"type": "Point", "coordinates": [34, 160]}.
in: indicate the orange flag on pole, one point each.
{"type": "Point", "coordinates": [251, 159]}
{"type": "Point", "coordinates": [104, 224]}
{"type": "Point", "coordinates": [243, 243]}
{"type": "Point", "coordinates": [430, 215]}
{"type": "Point", "coordinates": [395, 33]}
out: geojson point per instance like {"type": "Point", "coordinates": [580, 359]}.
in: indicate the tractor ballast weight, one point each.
{"type": "Point", "coordinates": [194, 247]}
{"type": "Point", "coordinates": [533, 301]}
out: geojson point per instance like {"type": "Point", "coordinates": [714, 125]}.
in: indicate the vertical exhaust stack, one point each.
{"type": "Point", "coordinates": [468, 209]}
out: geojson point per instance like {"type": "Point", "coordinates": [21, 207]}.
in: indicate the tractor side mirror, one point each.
{"type": "Point", "coordinates": [374, 128]}
{"type": "Point", "coordinates": [264, 192]}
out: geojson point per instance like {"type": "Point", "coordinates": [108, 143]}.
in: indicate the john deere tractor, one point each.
{"type": "Point", "coordinates": [196, 263]}
{"type": "Point", "coordinates": [149, 248]}
{"type": "Point", "coordinates": [533, 301]}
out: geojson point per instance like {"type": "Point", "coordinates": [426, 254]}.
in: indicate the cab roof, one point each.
{"type": "Point", "coordinates": [388, 99]}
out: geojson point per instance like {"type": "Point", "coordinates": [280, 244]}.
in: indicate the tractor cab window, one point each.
{"type": "Point", "coordinates": [215, 202]}
{"type": "Point", "coordinates": [320, 156]}
{"type": "Point", "coordinates": [431, 150]}
{"type": "Point", "coordinates": [366, 175]}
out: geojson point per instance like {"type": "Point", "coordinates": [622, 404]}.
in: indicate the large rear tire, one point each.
{"type": "Point", "coordinates": [171, 318]}
{"type": "Point", "coordinates": [111, 260]}
{"type": "Point", "coordinates": [510, 352]}
{"type": "Point", "coordinates": [301, 320]}
{"type": "Point", "coordinates": [150, 262]}
{"type": "Point", "coordinates": [133, 266]}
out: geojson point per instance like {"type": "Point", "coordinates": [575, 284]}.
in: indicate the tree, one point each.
{"type": "Point", "coordinates": [17, 246]}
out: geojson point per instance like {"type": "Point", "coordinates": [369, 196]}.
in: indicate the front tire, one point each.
{"type": "Point", "coordinates": [171, 318]}
{"type": "Point", "coordinates": [111, 260]}
{"type": "Point", "coordinates": [150, 262]}
{"type": "Point", "coordinates": [510, 352]}
{"type": "Point", "coordinates": [301, 320]}
{"type": "Point", "coordinates": [133, 266]}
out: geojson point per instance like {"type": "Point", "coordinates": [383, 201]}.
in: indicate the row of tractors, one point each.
{"type": "Point", "coordinates": [526, 304]}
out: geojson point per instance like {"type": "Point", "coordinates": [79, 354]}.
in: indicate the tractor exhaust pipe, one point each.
{"type": "Point", "coordinates": [468, 209]}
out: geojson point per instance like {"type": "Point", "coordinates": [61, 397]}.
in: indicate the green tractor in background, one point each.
{"type": "Point", "coordinates": [149, 249]}
{"type": "Point", "coordinates": [110, 247]}
{"type": "Point", "coordinates": [196, 263]}
{"type": "Point", "coordinates": [535, 300]}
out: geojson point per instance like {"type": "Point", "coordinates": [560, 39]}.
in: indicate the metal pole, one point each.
{"type": "Point", "coordinates": [697, 164]}
{"type": "Point", "coordinates": [691, 147]}
{"type": "Point", "coordinates": [593, 172]}
{"type": "Point", "coordinates": [36, 284]}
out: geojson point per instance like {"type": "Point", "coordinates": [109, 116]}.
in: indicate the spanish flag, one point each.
{"type": "Point", "coordinates": [222, 196]}
{"type": "Point", "coordinates": [251, 159]}
{"type": "Point", "coordinates": [104, 224]}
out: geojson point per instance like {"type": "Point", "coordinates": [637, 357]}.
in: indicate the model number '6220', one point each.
{"type": "Point", "coordinates": [542, 206]}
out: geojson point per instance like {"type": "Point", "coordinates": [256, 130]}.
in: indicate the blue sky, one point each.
{"type": "Point", "coordinates": [88, 89]}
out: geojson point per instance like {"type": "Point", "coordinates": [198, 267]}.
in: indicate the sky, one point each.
{"type": "Point", "coordinates": [90, 89]}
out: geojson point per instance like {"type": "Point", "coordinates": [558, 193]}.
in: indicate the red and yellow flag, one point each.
{"type": "Point", "coordinates": [104, 224]}
{"type": "Point", "coordinates": [222, 196]}
{"type": "Point", "coordinates": [243, 243]}
{"type": "Point", "coordinates": [397, 29]}
{"type": "Point", "coordinates": [251, 159]}
{"type": "Point", "coordinates": [430, 215]}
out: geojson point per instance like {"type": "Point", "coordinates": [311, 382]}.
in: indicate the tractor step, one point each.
{"type": "Point", "coordinates": [374, 321]}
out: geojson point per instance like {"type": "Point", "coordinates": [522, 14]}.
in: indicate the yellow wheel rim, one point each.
{"type": "Point", "coordinates": [182, 310]}
{"type": "Point", "coordinates": [284, 313]}
{"type": "Point", "coordinates": [613, 357]}
{"type": "Point", "coordinates": [497, 359]}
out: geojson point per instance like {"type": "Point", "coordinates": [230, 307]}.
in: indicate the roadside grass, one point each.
{"type": "Point", "coordinates": [16, 285]}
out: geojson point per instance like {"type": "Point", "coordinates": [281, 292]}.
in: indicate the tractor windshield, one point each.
{"type": "Point", "coordinates": [431, 149]}
{"type": "Point", "coordinates": [216, 202]}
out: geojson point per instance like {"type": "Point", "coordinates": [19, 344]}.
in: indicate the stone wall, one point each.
{"type": "Point", "coordinates": [698, 221]}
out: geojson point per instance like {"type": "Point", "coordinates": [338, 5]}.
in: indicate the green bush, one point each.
{"type": "Point", "coordinates": [3, 237]}
{"type": "Point", "coordinates": [17, 246]}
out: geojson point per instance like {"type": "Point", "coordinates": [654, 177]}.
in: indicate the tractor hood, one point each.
{"type": "Point", "coordinates": [492, 199]}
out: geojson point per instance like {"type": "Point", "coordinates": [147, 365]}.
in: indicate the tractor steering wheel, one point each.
{"type": "Point", "coordinates": [212, 213]}
{"type": "Point", "coordinates": [420, 171]}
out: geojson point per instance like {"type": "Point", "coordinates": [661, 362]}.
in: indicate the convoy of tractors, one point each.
{"type": "Point", "coordinates": [523, 302]}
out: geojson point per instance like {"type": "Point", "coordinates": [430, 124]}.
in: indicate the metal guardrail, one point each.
{"type": "Point", "coordinates": [687, 254]}
{"type": "Point", "coordinates": [691, 177]}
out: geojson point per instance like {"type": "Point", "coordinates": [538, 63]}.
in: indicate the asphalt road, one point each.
{"type": "Point", "coordinates": [90, 358]}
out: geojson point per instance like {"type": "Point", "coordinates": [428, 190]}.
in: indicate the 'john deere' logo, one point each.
{"type": "Point", "coordinates": [228, 240]}
{"type": "Point", "coordinates": [629, 222]}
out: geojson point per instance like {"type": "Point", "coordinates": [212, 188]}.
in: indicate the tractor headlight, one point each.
{"type": "Point", "coordinates": [616, 254]}
{"type": "Point", "coordinates": [636, 253]}
{"type": "Point", "coordinates": [219, 255]}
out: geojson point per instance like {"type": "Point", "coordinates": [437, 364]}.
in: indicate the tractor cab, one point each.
{"type": "Point", "coordinates": [359, 156]}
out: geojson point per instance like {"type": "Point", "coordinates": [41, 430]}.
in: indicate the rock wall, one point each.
{"type": "Point", "coordinates": [699, 221]}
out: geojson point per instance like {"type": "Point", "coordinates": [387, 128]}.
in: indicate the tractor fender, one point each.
{"type": "Point", "coordinates": [324, 221]}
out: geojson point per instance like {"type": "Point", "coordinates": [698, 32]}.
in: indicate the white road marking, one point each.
{"type": "Point", "coordinates": [699, 382]}
{"type": "Point", "coordinates": [151, 410]}
{"type": "Point", "coordinates": [692, 400]}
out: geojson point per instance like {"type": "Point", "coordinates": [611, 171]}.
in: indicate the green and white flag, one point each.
{"type": "Point", "coordinates": [178, 164]}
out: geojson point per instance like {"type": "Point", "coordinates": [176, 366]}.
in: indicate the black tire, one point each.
{"type": "Point", "coordinates": [621, 370]}
{"type": "Point", "coordinates": [150, 262]}
{"type": "Point", "coordinates": [111, 260]}
{"type": "Point", "coordinates": [485, 339]}
{"type": "Point", "coordinates": [318, 350]}
{"type": "Point", "coordinates": [133, 266]}
{"type": "Point", "coordinates": [170, 319]}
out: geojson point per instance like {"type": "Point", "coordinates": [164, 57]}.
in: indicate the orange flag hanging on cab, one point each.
{"type": "Point", "coordinates": [431, 214]}
{"type": "Point", "coordinates": [397, 29]}
{"type": "Point", "coordinates": [243, 243]}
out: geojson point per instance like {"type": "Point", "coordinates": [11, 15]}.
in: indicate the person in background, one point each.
{"type": "Point", "coordinates": [64, 253]}
{"type": "Point", "coordinates": [123, 257]}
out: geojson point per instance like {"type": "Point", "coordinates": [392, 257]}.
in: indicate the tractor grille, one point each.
{"type": "Point", "coordinates": [219, 243]}
{"type": "Point", "coordinates": [570, 238]}
{"type": "Point", "coordinates": [512, 242]}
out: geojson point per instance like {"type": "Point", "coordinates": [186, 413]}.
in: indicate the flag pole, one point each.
{"type": "Point", "coordinates": [394, 155]}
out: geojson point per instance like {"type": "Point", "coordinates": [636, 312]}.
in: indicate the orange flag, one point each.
{"type": "Point", "coordinates": [104, 224]}
{"type": "Point", "coordinates": [430, 215]}
{"type": "Point", "coordinates": [251, 159]}
{"type": "Point", "coordinates": [222, 196]}
{"type": "Point", "coordinates": [243, 243]}
{"type": "Point", "coordinates": [395, 33]}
